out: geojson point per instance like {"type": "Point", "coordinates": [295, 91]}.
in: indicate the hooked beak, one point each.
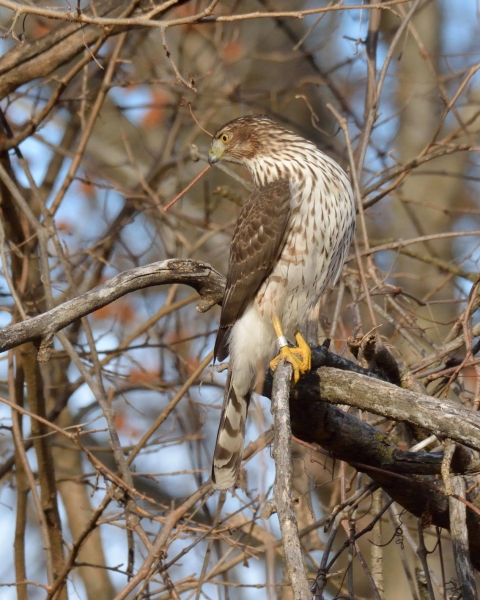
{"type": "Point", "coordinates": [212, 158]}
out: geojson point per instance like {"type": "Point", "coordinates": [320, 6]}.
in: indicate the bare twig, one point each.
{"type": "Point", "coordinates": [146, 20]}
{"type": "Point", "coordinates": [185, 190]}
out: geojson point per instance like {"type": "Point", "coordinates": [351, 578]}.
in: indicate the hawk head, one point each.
{"type": "Point", "coordinates": [242, 139]}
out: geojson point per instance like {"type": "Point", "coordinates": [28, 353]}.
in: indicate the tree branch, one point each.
{"type": "Point", "coordinates": [201, 276]}
{"type": "Point", "coordinates": [443, 417]}
{"type": "Point", "coordinates": [316, 421]}
{"type": "Point", "coordinates": [459, 533]}
{"type": "Point", "coordinates": [282, 488]}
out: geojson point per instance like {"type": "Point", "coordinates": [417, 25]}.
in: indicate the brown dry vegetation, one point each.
{"type": "Point", "coordinates": [108, 407]}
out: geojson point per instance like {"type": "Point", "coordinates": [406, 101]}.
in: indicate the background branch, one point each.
{"type": "Point", "coordinates": [202, 277]}
{"type": "Point", "coordinates": [96, 136]}
{"type": "Point", "coordinates": [458, 528]}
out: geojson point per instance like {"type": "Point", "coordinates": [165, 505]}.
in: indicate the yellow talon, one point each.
{"type": "Point", "coordinates": [300, 358]}
{"type": "Point", "coordinates": [303, 350]}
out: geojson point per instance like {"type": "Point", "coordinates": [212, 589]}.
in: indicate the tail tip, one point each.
{"type": "Point", "coordinates": [223, 479]}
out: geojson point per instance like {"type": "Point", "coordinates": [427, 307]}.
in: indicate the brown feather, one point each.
{"type": "Point", "coordinates": [293, 246]}
{"type": "Point", "coordinates": [230, 438]}
{"type": "Point", "coordinates": [258, 240]}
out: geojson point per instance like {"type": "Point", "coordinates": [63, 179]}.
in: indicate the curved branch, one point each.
{"type": "Point", "coordinates": [201, 276]}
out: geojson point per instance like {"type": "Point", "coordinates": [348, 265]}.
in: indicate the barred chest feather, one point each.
{"type": "Point", "coordinates": [320, 232]}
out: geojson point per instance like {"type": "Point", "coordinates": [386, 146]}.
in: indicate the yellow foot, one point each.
{"type": "Point", "coordinates": [300, 358]}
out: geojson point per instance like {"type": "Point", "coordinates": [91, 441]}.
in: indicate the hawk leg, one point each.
{"type": "Point", "coordinates": [299, 357]}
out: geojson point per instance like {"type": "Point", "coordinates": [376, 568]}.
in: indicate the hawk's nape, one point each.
{"type": "Point", "coordinates": [289, 245]}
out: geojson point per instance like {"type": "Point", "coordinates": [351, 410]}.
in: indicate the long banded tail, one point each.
{"type": "Point", "coordinates": [230, 438]}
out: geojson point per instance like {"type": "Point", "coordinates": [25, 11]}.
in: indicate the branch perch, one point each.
{"type": "Point", "coordinates": [443, 417]}
{"type": "Point", "coordinates": [345, 437]}
{"type": "Point", "coordinates": [201, 276]}
{"type": "Point", "coordinates": [282, 488]}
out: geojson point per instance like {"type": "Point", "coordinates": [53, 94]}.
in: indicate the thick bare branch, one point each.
{"type": "Point", "coordinates": [345, 437]}
{"type": "Point", "coordinates": [442, 417]}
{"type": "Point", "coordinates": [202, 277]}
{"type": "Point", "coordinates": [40, 58]}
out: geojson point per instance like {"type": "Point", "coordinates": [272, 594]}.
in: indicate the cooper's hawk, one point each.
{"type": "Point", "coordinates": [289, 245]}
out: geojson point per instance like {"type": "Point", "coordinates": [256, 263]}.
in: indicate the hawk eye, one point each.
{"type": "Point", "coordinates": [225, 138]}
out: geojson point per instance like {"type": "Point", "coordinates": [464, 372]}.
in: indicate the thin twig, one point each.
{"type": "Point", "coordinates": [185, 190]}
